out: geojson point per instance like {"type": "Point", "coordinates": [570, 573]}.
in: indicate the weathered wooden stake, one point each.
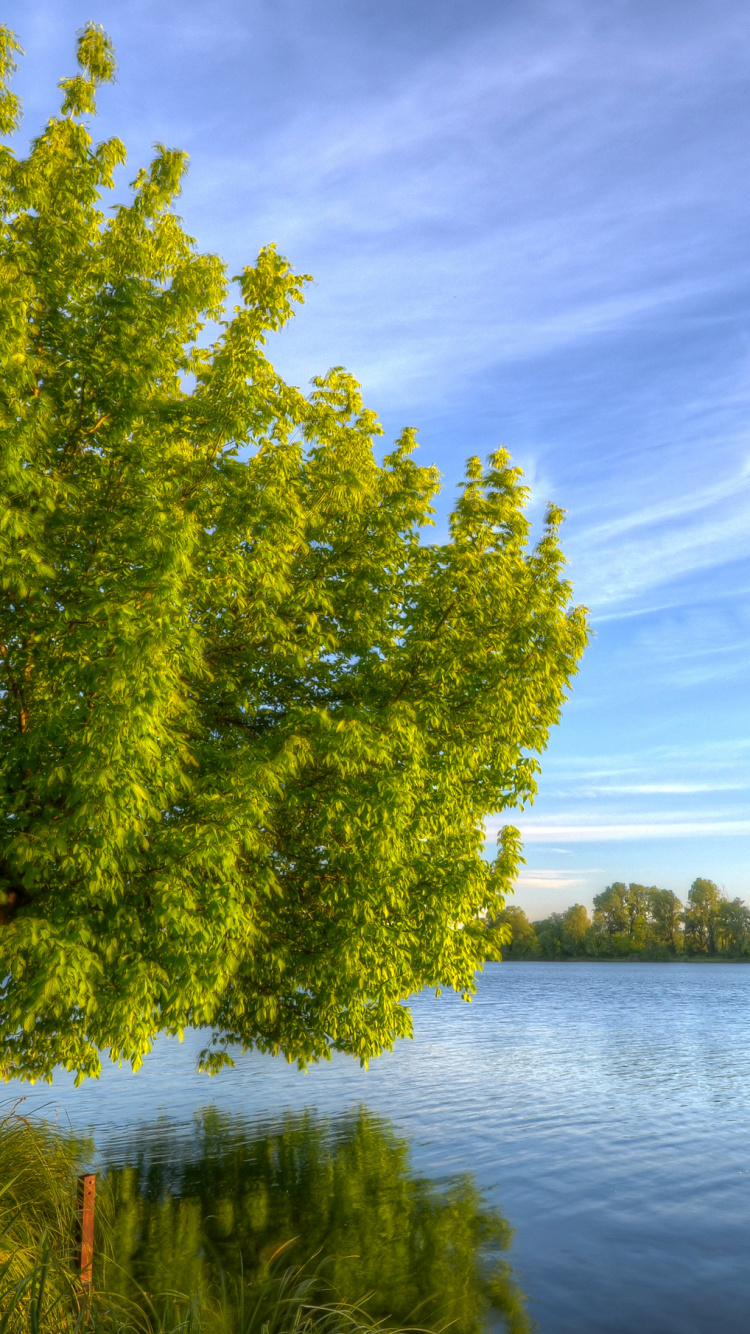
{"type": "Point", "coordinates": [86, 1206]}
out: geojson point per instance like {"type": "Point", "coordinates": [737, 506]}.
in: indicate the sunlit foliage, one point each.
{"type": "Point", "coordinates": [251, 721]}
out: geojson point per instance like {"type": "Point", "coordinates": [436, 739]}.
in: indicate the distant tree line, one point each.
{"type": "Point", "coordinates": [632, 921]}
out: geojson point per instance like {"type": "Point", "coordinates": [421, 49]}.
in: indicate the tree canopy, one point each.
{"type": "Point", "coordinates": [630, 921]}
{"type": "Point", "coordinates": [251, 719]}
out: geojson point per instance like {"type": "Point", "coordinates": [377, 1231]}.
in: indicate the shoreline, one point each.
{"type": "Point", "coordinates": [691, 959]}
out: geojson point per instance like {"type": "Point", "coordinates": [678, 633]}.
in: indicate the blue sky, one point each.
{"type": "Point", "coordinates": [529, 224]}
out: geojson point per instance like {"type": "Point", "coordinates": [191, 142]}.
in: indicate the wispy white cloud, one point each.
{"type": "Point", "coordinates": [665, 788]}
{"type": "Point", "coordinates": [636, 554]}
{"type": "Point", "coordinates": [629, 832]}
{"type": "Point", "coordinates": [700, 757]}
{"type": "Point", "coordinates": [677, 506]}
{"type": "Point", "coordinates": [550, 879]}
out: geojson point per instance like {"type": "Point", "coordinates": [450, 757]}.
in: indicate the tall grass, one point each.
{"type": "Point", "coordinates": [38, 1289]}
{"type": "Point", "coordinates": [293, 1302]}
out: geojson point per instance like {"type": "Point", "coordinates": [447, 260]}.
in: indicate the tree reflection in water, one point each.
{"type": "Point", "coordinates": [428, 1252]}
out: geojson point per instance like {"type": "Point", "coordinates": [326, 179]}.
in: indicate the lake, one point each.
{"type": "Point", "coordinates": [586, 1123]}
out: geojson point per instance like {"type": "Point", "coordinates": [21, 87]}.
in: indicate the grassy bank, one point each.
{"type": "Point", "coordinates": [191, 1284]}
{"type": "Point", "coordinates": [38, 1289]}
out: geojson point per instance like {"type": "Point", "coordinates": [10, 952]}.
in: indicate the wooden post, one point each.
{"type": "Point", "coordinates": [86, 1206]}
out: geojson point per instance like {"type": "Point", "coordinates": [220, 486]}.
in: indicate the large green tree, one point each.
{"type": "Point", "coordinates": [564, 935]}
{"type": "Point", "coordinates": [251, 720]}
{"type": "Point", "coordinates": [733, 927]}
{"type": "Point", "coordinates": [703, 916]}
{"type": "Point", "coordinates": [510, 935]}
{"type": "Point", "coordinates": [666, 919]}
{"type": "Point", "coordinates": [622, 917]}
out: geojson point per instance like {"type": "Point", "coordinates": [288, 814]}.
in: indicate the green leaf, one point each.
{"type": "Point", "coordinates": [252, 720]}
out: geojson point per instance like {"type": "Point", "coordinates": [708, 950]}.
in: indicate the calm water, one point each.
{"type": "Point", "coordinates": [603, 1110]}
